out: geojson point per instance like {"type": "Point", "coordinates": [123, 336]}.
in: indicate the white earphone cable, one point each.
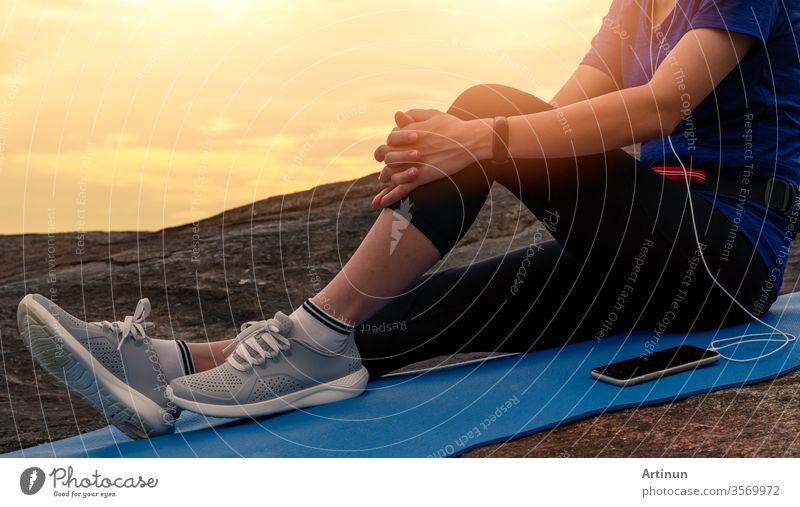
{"type": "Point", "coordinates": [737, 340]}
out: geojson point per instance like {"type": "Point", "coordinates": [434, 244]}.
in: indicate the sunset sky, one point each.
{"type": "Point", "coordinates": [138, 115]}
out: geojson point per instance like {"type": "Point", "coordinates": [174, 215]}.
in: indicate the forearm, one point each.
{"type": "Point", "coordinates": [596, 125]}
{"type": "Point", "coordinates": [586, 82]}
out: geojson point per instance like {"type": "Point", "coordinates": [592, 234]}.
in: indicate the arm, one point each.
{"type": "Point", "coordinates": [700, 60]}
{"type": "Point", "coordinates": [586, 82]}
{"type": "Point", "coordinates": [445, 145]}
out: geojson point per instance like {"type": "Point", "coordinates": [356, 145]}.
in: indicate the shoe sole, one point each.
{"type": "Point", "coordinates": [340, 389]}
{"type": "Point", "coordinates": [72, 365]}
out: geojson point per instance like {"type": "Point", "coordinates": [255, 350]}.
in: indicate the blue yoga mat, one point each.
{"type": "Point", "coordinates": [446, 412]}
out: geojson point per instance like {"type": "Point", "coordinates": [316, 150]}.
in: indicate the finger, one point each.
{"type": "Point", "coordinates": [422, 114]}
{"type": "Point", "coordinates": [402, 119]}
{"type": "Point", "coordinates": [402, 137]}
{"type": "Point", "coordinates": [395, 158]}
{"type": "Point", "coordinates": [406, 176]}
{"type": "Point", "coordinates": [376, 201]}
{"type": "Point", "coordinates": [380, 152]}
{"type": "Point", "coordinates": [387, 172]}
{"type": "Point", "coordinates": [395, 194]}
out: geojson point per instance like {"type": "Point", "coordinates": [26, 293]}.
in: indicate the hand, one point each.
{"type": "Point", "coordinates": [428, 145]}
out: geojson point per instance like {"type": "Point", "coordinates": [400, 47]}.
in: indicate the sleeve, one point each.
{"type": "Point", "coordinates": [606, 50]}
{"type": "Point", "coordinates": [742, 16]}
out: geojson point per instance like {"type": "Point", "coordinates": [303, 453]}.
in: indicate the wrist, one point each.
{"type": "Point", "coordinates": [482, 137]}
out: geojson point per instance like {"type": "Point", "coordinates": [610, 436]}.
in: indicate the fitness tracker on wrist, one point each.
{"type": "Point", "coordinates": [500, 153]}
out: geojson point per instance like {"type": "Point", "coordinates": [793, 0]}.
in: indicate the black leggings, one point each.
{"type": "Point", "coordinates": [624, 257]}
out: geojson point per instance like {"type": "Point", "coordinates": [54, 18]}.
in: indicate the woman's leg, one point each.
{"type": "Point", "coordinates": [393, 255]}
{"type": "Point", "coordinates": [385, 263]}
{"type": "Point", "coordinates": [625, 259]}
{"type": "Point", "coordinates": [377, 271]}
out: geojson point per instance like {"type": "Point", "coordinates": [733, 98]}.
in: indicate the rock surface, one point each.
{"type": "Point", "coordinates": [204, 278]}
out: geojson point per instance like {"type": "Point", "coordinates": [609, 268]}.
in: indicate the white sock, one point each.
{"type": "Point", "coordinates": [312, 324]}
{"type": "Point", "coordinates": [173, 357]}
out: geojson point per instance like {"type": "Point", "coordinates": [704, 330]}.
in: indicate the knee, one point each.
{"type": "Point", "coordinates": [481, 91]}
{"type": "Point", "coordinates": [487, 100]}
{"type": "Point", "coordinates": [475, 100]}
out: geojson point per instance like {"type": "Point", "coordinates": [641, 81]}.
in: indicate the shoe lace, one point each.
{"type": "Point", "coordinates": [258, 341]}
{"type": "Point", "coordinates": [134, 326]}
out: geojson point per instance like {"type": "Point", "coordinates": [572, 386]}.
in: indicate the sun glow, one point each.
{"type": "Point", "coordinates": [152, 114]}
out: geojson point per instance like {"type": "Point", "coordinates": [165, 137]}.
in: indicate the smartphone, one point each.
{"type": "Point", "coordinates": [651, 366]}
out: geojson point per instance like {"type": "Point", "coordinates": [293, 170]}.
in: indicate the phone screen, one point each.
{"type": "Point", "coordinates": [652, 363]}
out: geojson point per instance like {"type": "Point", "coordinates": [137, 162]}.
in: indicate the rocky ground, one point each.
{"type": "Point", "coordinates": [203, 277]}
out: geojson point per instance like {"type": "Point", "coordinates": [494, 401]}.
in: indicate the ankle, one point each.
{"type": "Point", "coordinates": [206, 356]}
{"type": "Point", "coordinates": [312, 324]}
{"type": "Point", "coordinates": [341, 312]}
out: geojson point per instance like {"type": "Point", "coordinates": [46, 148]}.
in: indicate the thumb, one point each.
{"type": "Point", "coordinates": [422, 114]}
{"type": "Point", "coordinates": [402, 119]}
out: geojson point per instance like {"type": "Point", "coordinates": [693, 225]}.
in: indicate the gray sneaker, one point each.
{"type": "Point", "coordinates": [271, 372]}
{"type": "Point", "coordinates": [111, 365]}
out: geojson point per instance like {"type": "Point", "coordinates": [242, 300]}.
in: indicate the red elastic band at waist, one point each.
{"type": "Point", "coordinates": [671, 172]}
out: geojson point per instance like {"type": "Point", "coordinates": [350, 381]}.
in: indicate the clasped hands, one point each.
{"type": "Point", "coordinates": [427, 145]}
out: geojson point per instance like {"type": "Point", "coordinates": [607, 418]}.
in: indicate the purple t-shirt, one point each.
{"type": "Point", "coordinates": [748, 127]}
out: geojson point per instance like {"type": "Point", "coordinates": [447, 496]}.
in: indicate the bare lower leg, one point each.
{"type": "Point", "coordinates": [392, 255]}
{"type": "Point", "coordinates": [208, 355]}
{"type": "Point", "coordinates": [381, 268]}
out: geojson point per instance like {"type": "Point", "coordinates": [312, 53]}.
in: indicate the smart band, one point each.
{"type": "Point", "coordinates": [500, 153]}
